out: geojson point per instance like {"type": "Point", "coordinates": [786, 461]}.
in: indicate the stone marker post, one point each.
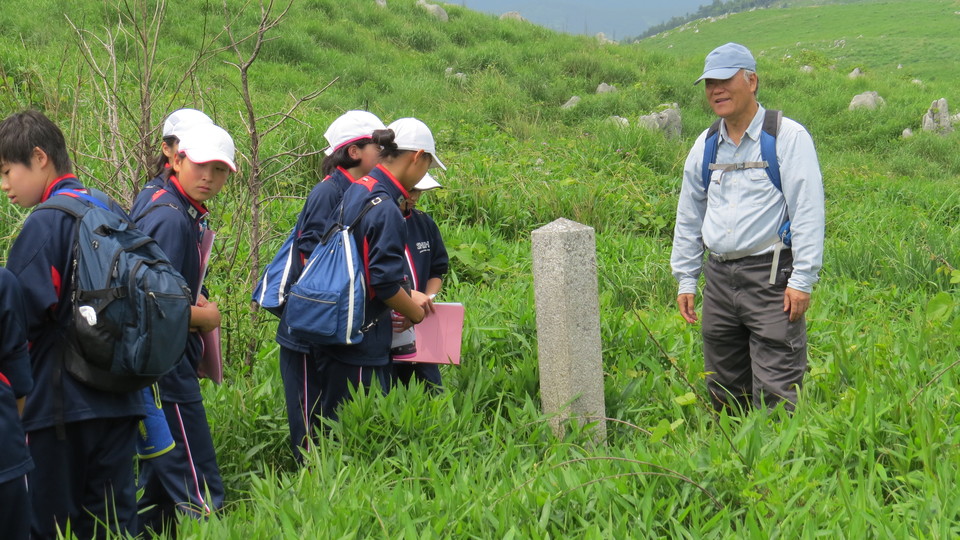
{"type": "Point", "coordinates": [568, 325]}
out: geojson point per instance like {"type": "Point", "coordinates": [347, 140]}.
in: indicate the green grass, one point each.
{"type": "Point", "coordinates": [873, 446]}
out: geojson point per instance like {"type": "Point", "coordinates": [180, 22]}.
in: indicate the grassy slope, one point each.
{"type": "Point", "coordinates": [860, 458]}
{"type": "Point", "coordinates": [876, 34]}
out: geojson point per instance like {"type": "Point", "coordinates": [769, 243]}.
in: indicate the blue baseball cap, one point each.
{"type": "Point", "coordinates": [725, 61]}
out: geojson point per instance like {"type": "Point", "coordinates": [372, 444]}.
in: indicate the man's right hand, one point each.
{"type": "Point", "coordinates": [687, 307]}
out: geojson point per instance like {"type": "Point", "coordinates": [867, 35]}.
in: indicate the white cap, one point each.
{"type": "Point", "coordinates": [412, 134]}
{"type": "Point", "coordinates": [349, 127]}
{"type": "Point", "coordinates": [426, 183]}
{"type": "Point", "coordinates": [203, 143]}
{"type": "Point", "coordinates": [182, 119]}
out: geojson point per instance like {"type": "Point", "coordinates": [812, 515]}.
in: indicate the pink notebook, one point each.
{"type": "Point", "coordinates": [211, 363]}
{"type": "Point", "coordinates": [439, 336]}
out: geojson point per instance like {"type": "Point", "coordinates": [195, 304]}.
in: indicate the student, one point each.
{"type": "Point", "coordinates": [408, 150]}
{"type": "Point", "coordinates": [81, 439]}
{"type": "Point", "coordinates": [351, 154]}
{"type": "Point", "coordinates": [15, 383]}
{"type": "Point", "coordinates": [427, 263]}
{"type": "Point", "coordinates": [187, 478]}
{"type": "Point", "coordinates": [177, 122]}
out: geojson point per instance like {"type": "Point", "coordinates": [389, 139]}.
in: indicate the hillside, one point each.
{"type": "Point", "coordinates": [877, 35]}
{"type": "Point", "coordinates": [871, 450]}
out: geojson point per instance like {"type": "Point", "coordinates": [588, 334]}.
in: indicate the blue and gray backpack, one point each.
{"type": "Point", "coordinates": [131, 308]}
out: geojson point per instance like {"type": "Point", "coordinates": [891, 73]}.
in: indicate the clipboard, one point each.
{"type": "Point", "coordinates": [211, 361]}
{"type": "Point", "coordinates": [439, 336]}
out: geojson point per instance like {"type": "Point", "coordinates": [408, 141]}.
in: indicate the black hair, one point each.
{"type": "Point", "coordinates": [388, 148]}
{"type": "Point", "coordinates": [160, 164]}
{"type": "Point", "coordinates": [21, 132]}
{"type": "Point", "coordinates": [341, 157]}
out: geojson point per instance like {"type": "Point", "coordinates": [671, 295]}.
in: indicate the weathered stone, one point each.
{"type": "Point", "coordinates": [937, 118]}
{"type": "Point", "coordinates": [806, 69]}
{"type": "Point", "coordinates": [668, 121]}
{"type": "Point", "coordinates": [604, 88]}
{"type": "Point", "coordinates": [907, 133]}
{"type": "Point", "coordinates": [602, 38]}
{"type": "Point", "coordinates": [435, 10]}
{"type": "Point", "coordinates": [618, 121]}
{"type": "Point", "coordinates": [857, 72]}
{"type": "Point", "coordinates": [512, 16]}
{"type": "Point", "coordinates": [867, 100]}
{"type": "Point", "coordinates": [381, 3]}
{"type": "Point", "coordinates": [571, 103]}
{"type": "Point", "coordinates": [568, 325]}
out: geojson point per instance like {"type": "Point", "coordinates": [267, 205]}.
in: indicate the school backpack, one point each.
{"type": "Point", "coordinates": [768, 151]}
{"type": "Point", "coordinates": [326, 305]}
{"type": "Point", "coordinates": [271, 290]}
{"type": "Point", "coordinates": [131, 308]}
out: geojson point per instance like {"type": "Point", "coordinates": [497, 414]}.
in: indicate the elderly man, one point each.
{"type": "Point", "coordinates": [752, 196]}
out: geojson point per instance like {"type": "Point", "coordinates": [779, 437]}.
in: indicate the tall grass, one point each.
{"type": "Point", "coordinates": [872, 448]}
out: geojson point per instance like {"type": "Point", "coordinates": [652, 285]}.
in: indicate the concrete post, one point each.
{"type": "Point", "coordinates": [568, 325]}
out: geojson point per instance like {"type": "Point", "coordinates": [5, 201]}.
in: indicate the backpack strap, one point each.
{"type": "Point", "coordinates": [84, 195]}
{"type": "Point", "coordinates": [710, 145]}
{"type": "Point", "coordinates": [338, 226]}
{"type": "Point", "coordinates": [768, 145]}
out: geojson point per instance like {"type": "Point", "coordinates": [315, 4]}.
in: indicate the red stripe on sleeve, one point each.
{"type": "Point", "coordinates": [55, 278]}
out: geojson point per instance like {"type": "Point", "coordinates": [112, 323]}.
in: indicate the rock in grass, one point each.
{"type": "Point", "coordinates": [857, 72]}
{"type": "Point", "coordinates": [603, 39]}
{"type": "Point", "coordinates": [435, 10]}
{"type": "Point", "coordinates": [512, 16]}
{"type": "Point", "coordinates": [937, 118]}
{"type": "Point", "coordinates": [667, 121]}
{"type": "Point", "coordinates": [604, 88]}
{"type": "Point", "coordinates": [618, 121]}
{"type": "Point", "coordinates": [571, 103]}
{"type": "Point", "coordinates": [867, 100]}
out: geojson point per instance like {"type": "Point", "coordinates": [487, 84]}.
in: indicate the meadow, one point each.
{"type": "Point", "coordinates": [872, 450]}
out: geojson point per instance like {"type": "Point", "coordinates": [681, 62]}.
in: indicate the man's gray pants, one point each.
{"type": "Point", "coordinates": [751, 350]}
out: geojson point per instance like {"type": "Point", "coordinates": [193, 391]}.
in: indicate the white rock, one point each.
{"type": "Point", "coordinates": [867, 100]}
{"type": "Point", "coordinates": [618, 120]}
{"type": "Point", "coordinates": [571, 103]}
{"type": "Point", "coordinates": [604, 88]}
{"type": "Point", "coordinates": [513, 16]}
{"type": "Point", "coordinates": [435, 10]}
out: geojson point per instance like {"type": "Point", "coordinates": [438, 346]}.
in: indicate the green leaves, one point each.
{"type": "Point", "coordinates": [940, 307]}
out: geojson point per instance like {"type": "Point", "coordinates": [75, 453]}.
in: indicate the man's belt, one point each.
{"type": "Point", "coordinates": [777, 244]}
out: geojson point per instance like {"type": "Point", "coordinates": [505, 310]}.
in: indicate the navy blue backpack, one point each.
{"type": "Point", "coordinates": [271, 290]}
{"type": "Point", "coordinates": [326, 306]}
{"type": "Point", "coordinates": [131, 308]}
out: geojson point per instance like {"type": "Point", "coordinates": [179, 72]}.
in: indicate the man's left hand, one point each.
{"type": "Point", "coordinates": [796, 302]}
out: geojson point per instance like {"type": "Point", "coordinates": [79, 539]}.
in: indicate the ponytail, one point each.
{"type": "Point", "coordinates": [162, 164]}
{"type": "Point", "coordinates": [388, 148]}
